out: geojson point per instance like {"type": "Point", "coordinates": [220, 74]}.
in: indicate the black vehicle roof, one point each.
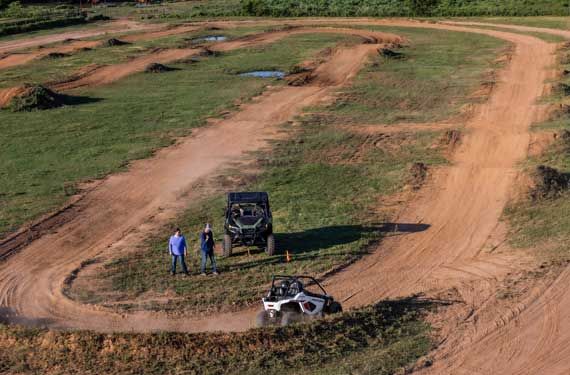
{"type": "Point", "coordinates": [248, 197]}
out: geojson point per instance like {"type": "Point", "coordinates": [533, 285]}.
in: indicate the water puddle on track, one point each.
{"type": "Point", "coordinates": [264, 74]}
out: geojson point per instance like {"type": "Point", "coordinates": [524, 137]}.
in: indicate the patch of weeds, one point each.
{"type": "Point", "coordinates": [379, 339]}
{"type": "Point", "coordinates": [431, 84]}
{"type": "Point", "coordinates": [36, 97]}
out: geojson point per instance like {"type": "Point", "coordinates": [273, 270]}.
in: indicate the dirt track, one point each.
{"type": "Point", "coordinates": [461, 248]}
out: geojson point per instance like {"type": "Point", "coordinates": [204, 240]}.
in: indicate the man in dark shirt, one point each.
{"type": "Point", "coordinates": [207, 245]}
{"type": "Point", "coordinates": [178, 250]}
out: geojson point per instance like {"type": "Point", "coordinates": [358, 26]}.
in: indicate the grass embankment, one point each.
{"type": "Point", "coordinates": [44, 151]}
{"type": "Point", "coordinates": [326, 182]}
{"type": "Point", "coordinates": [543, 224]}
{"type": "Point", "coordinates": [375, 340]}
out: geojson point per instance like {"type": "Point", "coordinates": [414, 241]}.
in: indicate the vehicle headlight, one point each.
{"type": "Point", "coordinates": [234, 228]}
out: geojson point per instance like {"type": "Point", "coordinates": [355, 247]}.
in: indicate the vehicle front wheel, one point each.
{"type": "Point", "coordinates": [270, 250]}
{"type": "Point", "coordinates": [335, 308]}
{"type": "Point", "coordinates": [227, 250]}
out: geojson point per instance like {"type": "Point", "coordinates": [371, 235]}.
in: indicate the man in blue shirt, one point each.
{"type": "Point", "coordinates": [207, 246]}
{"type": "Point", "coordinates": [178, 249]}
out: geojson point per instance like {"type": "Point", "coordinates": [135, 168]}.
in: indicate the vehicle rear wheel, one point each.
{"type": "Point", "coordinates": [263, 319]}
{"type": "Point", "coordinates": [335, 308]}
{"type": "Point", "coordinates": [227, 250]}
{"type": "Point", "coordinates": [270, 250]}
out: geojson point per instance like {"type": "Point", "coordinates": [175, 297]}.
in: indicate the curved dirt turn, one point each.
{"type": "Point", "coordinates": [32, 280]}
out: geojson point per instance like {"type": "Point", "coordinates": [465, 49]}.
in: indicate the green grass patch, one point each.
{"type": "Point", "coordinates": [376, 340]}
{"type": "Point", "coordinates": [431, 83]}
{"type": "Point", "coordinates": [42, 151]}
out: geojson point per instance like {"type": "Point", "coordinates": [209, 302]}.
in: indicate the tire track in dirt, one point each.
{"type": "Point", "coordinates": [32, 280]}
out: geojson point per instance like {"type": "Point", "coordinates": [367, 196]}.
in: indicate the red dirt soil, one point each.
{"type": "Point", "coordinates": [462, 205]}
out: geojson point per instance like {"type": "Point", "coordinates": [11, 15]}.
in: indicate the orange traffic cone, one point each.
{"type": "Point", "coordinates": [287, 256]}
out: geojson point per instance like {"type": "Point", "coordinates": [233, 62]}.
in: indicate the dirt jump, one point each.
{"type": "Point", "coordinates": [461, 205]}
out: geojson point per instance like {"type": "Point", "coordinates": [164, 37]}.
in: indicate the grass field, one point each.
{"type": "Point", "coordinates": [325, 183]}
{"type": "Point", "coordinates": [122, 122]}
{"type": "Point", "coordinates": [381, 339]}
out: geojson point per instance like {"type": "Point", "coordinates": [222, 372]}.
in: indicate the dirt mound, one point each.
{"type": "Point", "coordinates": [562, 89]}
{"type": "Point", "coordinates": [113, 42]}
{"type": "Point", "coordinates": [208, 52]}
{"type": "Point", "coordinates": [418, 174]}
{"type": "Point", "coordinates": [549, 183]}
{"type": "Point", "coordinates": [54, 55]}
{"type": "Point", "coordinates": [451, 138]}
{"type": "Point", "coordinates": [157, 68]}
{"type": "Point", "coordinates": [36, 97]}
{"type": "Point", "coordinates": [390, 54]}
{"type": "Point", "coordinates": [299, 76]}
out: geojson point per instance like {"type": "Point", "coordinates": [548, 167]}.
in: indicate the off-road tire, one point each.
{"type": "Point", "coordinates": [270, 249]}
{"type": "Point", "coordinates": [263, 319]}
{"type": "Point", "coordinates": [290, 317]}
{"type": "Point", "coordinates": [227, 246]}
{"type": "Point", "coordinates": [335, 308]}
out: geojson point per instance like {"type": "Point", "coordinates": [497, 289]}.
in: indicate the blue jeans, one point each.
{"type": "Point", "coordinates": [205, 256]}
{"type": "Point", "coordinates": [182, 263]}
